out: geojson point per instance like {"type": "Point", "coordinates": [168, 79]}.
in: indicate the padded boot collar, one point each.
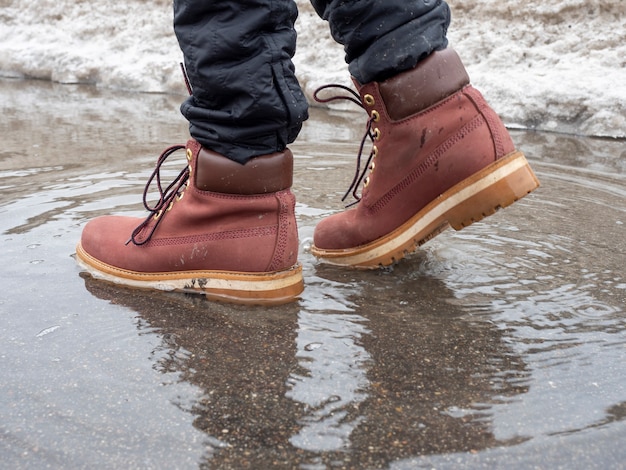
{"type": "Point", "coordinates": [438, 76]}
{"type": "Point", "coordinates": [260, 175]}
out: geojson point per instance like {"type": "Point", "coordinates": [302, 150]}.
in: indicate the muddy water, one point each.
{"type": "Point", "coordinates": [503, 345]}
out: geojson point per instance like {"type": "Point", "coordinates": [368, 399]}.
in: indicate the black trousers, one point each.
{"type": "Point", "coordinates": [246, 99]}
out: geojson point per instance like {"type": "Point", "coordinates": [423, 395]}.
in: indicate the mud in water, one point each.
{"type": "Point", "coordinates": [502, 345]}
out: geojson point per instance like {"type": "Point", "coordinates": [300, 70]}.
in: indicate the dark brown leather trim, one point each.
{"type": "Point", "coordinates": [261, 175]}
{"type": "Point", "coordinates": [438, 76]}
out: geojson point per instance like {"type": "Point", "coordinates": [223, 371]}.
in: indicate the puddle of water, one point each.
{"type": "Point", "coordinates": [501, 345]}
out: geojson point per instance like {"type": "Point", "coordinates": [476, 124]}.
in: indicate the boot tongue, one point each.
{"type": "Point", "coordinates": [438, 76]}
{"type": "Point", "coordinates": [264, 174]}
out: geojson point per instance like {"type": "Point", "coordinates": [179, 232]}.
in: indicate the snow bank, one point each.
{"type": "Point", "coordinates": [557, 66]}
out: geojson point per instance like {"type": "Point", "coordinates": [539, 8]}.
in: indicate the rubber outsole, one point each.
{"type": "Point", "coordinates": [482, 194]}
{"type": "Point", "coordinates": [270, 288]}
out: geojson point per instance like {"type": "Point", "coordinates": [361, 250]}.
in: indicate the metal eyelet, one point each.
{"type": "Point", "coordinates": [169, 208]}
{"type": "Point", "coordinates": [369, 100]}
{"type": "Point", "coordinates": [189, 158]}
{"type": "Point", "coordinates": [376, 133]}
{"type": "Point", "coordinates": [372, 166]}
{"type": "Point", "coordinates": [374, 151]}
{"type": "Point", "coordinates": [180, 196]}
{"type": "Point", "coordinates": [158, 215]}
{"type": "Point", "coordinates": [375, 115]}
{"type": "Point", "coordinates": [366, 182]}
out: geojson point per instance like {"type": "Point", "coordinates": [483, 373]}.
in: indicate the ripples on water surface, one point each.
{"type": "Point", "coordinates": [501, 345]}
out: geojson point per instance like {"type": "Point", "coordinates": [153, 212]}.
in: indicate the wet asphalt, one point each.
{"type": "Point", "coordinates": [499, 346]}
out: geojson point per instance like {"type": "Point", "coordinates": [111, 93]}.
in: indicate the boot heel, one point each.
{"type": "Point", "coordinates": [499, 185]}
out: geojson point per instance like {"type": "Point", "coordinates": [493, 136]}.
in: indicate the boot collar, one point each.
{"type": "Point", "coordinates": [260, 175]}
{"type": "Point", "coordinates": [438, 76]}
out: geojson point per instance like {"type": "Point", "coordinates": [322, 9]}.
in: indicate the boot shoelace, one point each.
{"type": "Point", "coordinates": [175, 190]}
{"type": "Point", "coordinates": [167, 197]}
{"type": "Point", "coordinates": [373, 134]}
{"type": "Point", "coordinates": [172, 193]}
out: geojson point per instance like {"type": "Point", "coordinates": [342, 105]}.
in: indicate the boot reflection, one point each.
{"type": "Point", "coordinates": [429, 373]}
{"type": "Point", "coordinates": [394, 371]}
{"type": "Point", "coordinates": [240, 357]}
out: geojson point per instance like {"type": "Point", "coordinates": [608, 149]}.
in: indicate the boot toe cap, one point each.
{"type": "Point", "coordinates": [104, 238]}
{"type": "Point", "coordinates": [337, 232]}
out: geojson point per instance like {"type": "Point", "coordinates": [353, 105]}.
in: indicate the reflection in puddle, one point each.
{"type": "Point", "coordinates": [558, 299]}
{"type": "Point", "coordinates": [333, 380]}
{"type": "Point", "coordinates": [507, 335]}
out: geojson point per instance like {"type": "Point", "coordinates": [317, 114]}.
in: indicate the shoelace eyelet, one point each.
{"type": "Point", "coordinates": [365, 101]}
{"type": "Point", "coordinates": [167, 196]}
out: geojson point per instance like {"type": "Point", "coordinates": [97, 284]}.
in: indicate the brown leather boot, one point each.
{"type": "Point", "coordinates": [222, 229]}
{"type": "Point", "coordinates": [441, 157]}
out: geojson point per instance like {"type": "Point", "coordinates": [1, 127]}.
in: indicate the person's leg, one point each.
{"type": "Point", "coordinates": [226, 227]}
{"type": "Point", "coordinates": [440, 155]}
{"type": "Point", "coordinates": [246, 99]}
{"type": "Point", "coordinates": [384, 37]}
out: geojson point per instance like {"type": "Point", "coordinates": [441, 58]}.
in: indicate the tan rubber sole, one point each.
{"type": "Point", "coordinates": [272, 288]}
{"type": "Point", "coordinates": [496, 186]}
